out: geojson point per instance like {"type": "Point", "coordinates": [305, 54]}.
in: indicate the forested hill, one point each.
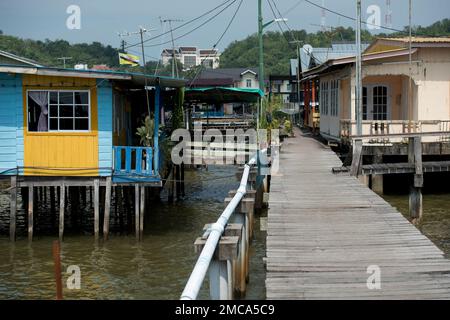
{"type": "Point", "coordinates": [46, 52]}
{"type": "Point", "coordinates": [278, 51]}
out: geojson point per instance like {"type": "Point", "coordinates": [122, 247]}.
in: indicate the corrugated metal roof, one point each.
{"type": "Point", "coordinates": [420, 39]}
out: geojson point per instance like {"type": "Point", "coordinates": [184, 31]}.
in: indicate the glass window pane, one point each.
{"type": "Point", "coordinates": [66, 97]}
{"type": "Point", "coordinates": [53, 97]}
{"type": "Point", "coordinates": [81, 111]}
{"type": "Point", "coordinates": [53, 111]}
{"type": "Point", "coordinates": [53, 124]}
{"type": "Point", "coordinates": [81, 98]}
{"type": "Point", "coordinates": [66, 124]}
{"type": "Point", "coordinates": [66, 111]}
{"type": "Point", "coordinates": [81, 124]}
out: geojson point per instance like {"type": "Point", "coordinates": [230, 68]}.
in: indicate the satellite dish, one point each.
{"type": "Point", "coordinates": [308, 49]}
{"type": "Point", "coordinates": [305, 55]}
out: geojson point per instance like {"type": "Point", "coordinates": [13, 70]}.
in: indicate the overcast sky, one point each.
{"type": "Point", "coordinates": [102, 19]}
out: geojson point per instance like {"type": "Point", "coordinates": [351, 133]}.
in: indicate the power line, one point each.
{"type": "Point", "coordinates": [184, 24]}
{"type": "Point", "coordinates": [218, 41]}
{"type": "Point", "coordinates": [196, 28]}
{"type": "Point", "coordinates": [351, 18]}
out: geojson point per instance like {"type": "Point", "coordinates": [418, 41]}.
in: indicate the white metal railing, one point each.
{"type": "Point", "coordinates": [396, 127]}
{"type": "Point", "coordinates": [197, 276]}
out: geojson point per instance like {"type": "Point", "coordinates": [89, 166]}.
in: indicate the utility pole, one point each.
{"type": "Point", "coordinates": [299, 70]}
{"type": "Point", "coordinates": [261, 61]}
{"type": "Point", "coordinates": [358, 84]}
{"type": "Point", "coordinates": [410, 105]}
{"type": "Point", "coordinates": [173, 44]}
{"type": "Point", "coordinates": [64, 60]}
{"type": "Point", "coordinates": [141, 32]}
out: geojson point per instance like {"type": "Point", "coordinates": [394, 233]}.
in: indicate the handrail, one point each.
{"type": "Point", "coordinates": [197, 276]}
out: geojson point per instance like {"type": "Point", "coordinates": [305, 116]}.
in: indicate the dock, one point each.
{"type": "Point", "coordinates": [328, 235]}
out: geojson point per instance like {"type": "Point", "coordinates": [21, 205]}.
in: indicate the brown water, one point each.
{"type": "Point", "coordinates": [436, 217]}
{"type": "Point", "coordinates": [121, 268]}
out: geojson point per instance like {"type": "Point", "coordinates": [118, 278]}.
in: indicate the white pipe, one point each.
{"type": "Point", "coordinates": [197, 276]}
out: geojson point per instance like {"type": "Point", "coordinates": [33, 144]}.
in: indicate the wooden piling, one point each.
{"type": "Point", "coordinates": [136, 210]}
{"type": "Point", "coordinates": [62, 196]}
{"type": "Point", "coordinates": [415, 194]}
{"type": "Point", "coordinates": [96, 207]}
{"type": "Point", "coordinates": [141, 215]}
{"type": "Point", "coordinates": [356, 158]}
{"type": "Point", "coordinates": [57, 267]}
{"type": "Point", "coordinates": [13, 208]}
{"type": "Point", "coordinates": [52, 200]}
{"type": "Point", "coordinates": [30, 212]}
{"type": "Point", "coordinates": [107, 208]}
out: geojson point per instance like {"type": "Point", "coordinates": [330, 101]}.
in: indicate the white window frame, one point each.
{"type": "Point", "coordinates": [48, 106]}
{"type": "Point", "coordinates": [370, 101]}
{"type": "Point", "coordinates": [247, 81]}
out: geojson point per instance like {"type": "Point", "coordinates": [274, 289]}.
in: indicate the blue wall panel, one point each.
{"type": "Point", "coordinates": [105, 106]}
{"type": "Point", "coordinates": [11, 122]}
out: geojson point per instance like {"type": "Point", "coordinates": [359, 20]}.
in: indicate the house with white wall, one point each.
{"type": "Point", "coordinates": [395, 99]}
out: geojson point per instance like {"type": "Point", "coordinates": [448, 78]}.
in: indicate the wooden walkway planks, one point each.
{"type": "Point", "coordinates": [324, 230]}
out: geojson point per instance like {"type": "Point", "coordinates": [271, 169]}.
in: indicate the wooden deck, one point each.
{"type": "Point", "coordinates": [324, 230]}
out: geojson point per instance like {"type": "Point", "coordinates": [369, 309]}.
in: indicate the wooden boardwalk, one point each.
{"type": "Point", "coordinates": [324, 230]}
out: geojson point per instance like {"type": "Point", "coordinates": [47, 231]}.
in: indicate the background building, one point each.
{"type": "Point", "coordinates": [192, 56]}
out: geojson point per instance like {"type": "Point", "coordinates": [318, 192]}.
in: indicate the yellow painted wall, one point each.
{"type": "Point", "coordinates": [67, 152]}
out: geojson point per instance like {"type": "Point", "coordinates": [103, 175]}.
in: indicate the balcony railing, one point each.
{"type": "Point", "coordinates": [396, 127]}
{"type": "Point", "coordinates": [133, 164]}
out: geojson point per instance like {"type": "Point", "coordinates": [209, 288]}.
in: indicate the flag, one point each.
{"type": "Point", "coordinates": [126, 58]}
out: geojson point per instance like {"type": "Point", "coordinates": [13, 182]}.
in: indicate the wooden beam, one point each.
{"type": "Point", "coordinates": [141, 213]}
{"type": "Point", "coordinates": [107, 209]}
{"type": "Point", "coordinates": [96, 208]}
{"type": "Point", "coordinates": [136, 210]}
{"type": "Point", "coordinates": [62, 195]}
{"type": "Point", "coordinates": [13, 208]}
{"type": "Point", "coordinates": [30, 212]}
{"type": "Point", "coordinates": [357, 158]}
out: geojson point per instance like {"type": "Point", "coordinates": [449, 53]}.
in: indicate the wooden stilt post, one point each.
{"type": "Point", "coordinates": [357, 158]}
{"type": "Point", "coordinates": [415, 195]}
{"type": "Point", "coordinates": [13, 208]}
{"type": "Point", "coordinates": [52, 200]}
{"type": "Point", "coordinates": [107, 208]}
{"type": "Point", "coordinates": [57, 265]}
{"type": "Point", "coordinates": [182, 180]}
{"type": "Point", "coordinates": [377, 179]}
{"type": "Point", "coordinates": [218, 280]}
{"type": "Point", "coordinates": [136, 210]}
{"type": "Point", "coordinates": [96, 207]}
{"type": "Point", "coordinates": [62, 197]}
{"type": "Point", "coordinates": [141, 214]}
{"type": "Point", "coordinates": [30, 212]}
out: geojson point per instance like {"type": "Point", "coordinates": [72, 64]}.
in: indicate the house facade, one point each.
{"type": "Point", "coordinates": [392, 102]}
{"type": "Point", "coordinates": [78, 123]}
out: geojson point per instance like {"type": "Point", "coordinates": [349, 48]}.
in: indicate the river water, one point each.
{"type": "Point", "coordinates": [121, 268]}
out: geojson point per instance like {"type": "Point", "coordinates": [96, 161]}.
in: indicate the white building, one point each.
{"type": "Point", "coordinates": [192, 56]}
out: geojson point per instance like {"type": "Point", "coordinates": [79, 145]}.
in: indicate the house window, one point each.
{"type": "Point", "coordinates": [324, 98]}
{"type": "Point", "coordinates": [62, 110]}
{"type": "Point", "coordinates": [249, 83]}
{"type": "Point", "coordinates": [364, 103]}
{"type": "Point", "coordinates": [380, 103]}
{"type": "Point", "coordinates": [190, 61]}
{"type": "Point", "coordinates": [334, 97]}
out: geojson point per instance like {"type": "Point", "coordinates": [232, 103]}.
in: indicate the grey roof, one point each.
{"type": "Point", "coordinates": [233, 73]}
{"type": "Point", "coordinates": [321, 55]}
{"type": "Point", "coordinates": [12, 59]}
